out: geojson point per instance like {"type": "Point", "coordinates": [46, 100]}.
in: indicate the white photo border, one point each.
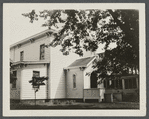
{"type": "Point", "coordinates": [92, 113]}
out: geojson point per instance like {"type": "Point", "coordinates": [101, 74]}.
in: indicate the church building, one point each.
{"type": "Point", "coordinates": [66, 75]}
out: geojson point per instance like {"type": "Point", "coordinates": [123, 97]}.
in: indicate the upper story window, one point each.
{"type": "Point", "coordinates": [74, 81]}
{"type": "Point", "coordinates": [42, 52]}
{"type": "Point", "coordinates": [21, 55]}
{"type": "Point", "coordinates": [14, 81]}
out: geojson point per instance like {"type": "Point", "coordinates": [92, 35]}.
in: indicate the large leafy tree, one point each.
{"type": "Point", "coordinates": [86, 29]}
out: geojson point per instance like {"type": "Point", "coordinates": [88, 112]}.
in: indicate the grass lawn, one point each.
{"type": "Point", "coordinates": [75, 105]}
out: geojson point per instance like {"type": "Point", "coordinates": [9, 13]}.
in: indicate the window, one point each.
{"type": "Point", "coordinates": [21, 55]}
{"type": "Point", "coordinates": [130, 83]}
{"type": "Point", "coordinates": [93, 80]}
{"type": "Point", "coordinates": [120, 84]}
{"type": "Point", "coordinates": [126, 83]}
{"type": "Point", "coordinates": [134, 83]}
{"type": "Point", "coordinates": [14, 84]}
{"type": "Point", "coordinates": [35, 74]}
{"type": "Point", "coordinates": [74, 81]}
{"type": "Point", "coordinates": [105, 84]}
{"type": "Point", "coordinates": [42, 52]}
{"type": "Point", "coordinates": [14, 81]}
{"type": "Point", "coordinates": [111, 84]}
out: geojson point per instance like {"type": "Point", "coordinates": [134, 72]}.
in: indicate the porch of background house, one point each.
{"type": "Point", "coordinates": [125, 88]}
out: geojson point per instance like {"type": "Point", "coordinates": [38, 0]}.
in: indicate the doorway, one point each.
{"type": "Point", "coordinates": [93, 80]}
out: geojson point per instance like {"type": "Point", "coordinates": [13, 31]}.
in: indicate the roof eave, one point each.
{"type": "Point", "coordinates": [31, 37]}
{"type": "Point", "coordinates": [91, 61]}
{"type": "Point", "coordinates": [74, 67]}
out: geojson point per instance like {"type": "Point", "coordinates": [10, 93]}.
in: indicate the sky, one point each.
{"type": "Point", "coordinates": [19, 27]}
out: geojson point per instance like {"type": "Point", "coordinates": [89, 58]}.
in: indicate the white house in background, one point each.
{"type": "Point", "coordinates": [67, 77]}
{"type": "Point", "coordinates": [31, 58]}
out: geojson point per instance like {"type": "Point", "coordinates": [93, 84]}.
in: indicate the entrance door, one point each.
{"type": "Point", "coordinates": [93, 80]}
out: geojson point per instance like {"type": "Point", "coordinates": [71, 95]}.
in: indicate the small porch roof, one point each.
{"type": "Point", "coordinates": [128, 76]}
{"type": "Point", "coordinates": [29, 62]}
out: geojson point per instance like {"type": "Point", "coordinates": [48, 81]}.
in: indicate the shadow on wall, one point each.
{"type": "Point", "coordinates": [61, 87]}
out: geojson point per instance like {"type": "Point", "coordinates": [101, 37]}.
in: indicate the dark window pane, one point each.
{"type": "Point", "coordinates": [93, 80]}
{"type": "Point", "coordinates": [116, 83]}
{"type": "Point", "coordinates": [42, 52]}
{"type": "Point", "coordinates": [112, 85]}
{"type": "Point", "coordinates": [104, 83]}
{"type": "Point", "coordinates": [22, 56]}
{"type": "Point", "coordinates": [130, 83]}
{"type": "Point", "coordinates": [126, 83]}
{"type": "Point", "coordinates": [36, 74]}
{"type": "Point", "coordinates": [120, 83]}
{"type": "Point", "coordinates": [15, 73]}
{"type": "Point", "coordinates": [14, 82]}
{"type": "Point", "coordinates": [108, 84]}
{"type": "Point", "coordinates": [134, 83]}
{"type": "Point", "coordinates": [74, 81]}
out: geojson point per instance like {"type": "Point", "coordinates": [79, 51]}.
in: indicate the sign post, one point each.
{"type": "Point", "coordinates": [36, 89]}
{"type": "Point", "coordinates": [36, 82]}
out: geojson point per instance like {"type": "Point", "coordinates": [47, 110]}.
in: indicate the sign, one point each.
{"type": "Point", "coordinates": [37, 81]}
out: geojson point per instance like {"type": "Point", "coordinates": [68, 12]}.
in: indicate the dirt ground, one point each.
{"type": "Point", "coordinates": [75, 105]}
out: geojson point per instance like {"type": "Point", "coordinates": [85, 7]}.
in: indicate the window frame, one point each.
{"type": "Point", "coordinates": [36, 76]}
{"type": "Point", "coordinates": [42, 52]}
{"type": "Point", "coordinates": [14, 83]}
{"type": "Point", "coordinates": [74, 81]}
{"type": "Point", "coordinates": [131, 83]}
{"type": "Point", "coordinates": [21, 55]}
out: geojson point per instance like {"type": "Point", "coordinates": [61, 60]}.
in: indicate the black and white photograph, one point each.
{"type": "Point", "coordinates": [74, 59]}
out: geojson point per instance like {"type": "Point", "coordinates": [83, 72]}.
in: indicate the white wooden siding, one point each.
{"type": "Point", "coordinates": [27, 92]}
{"type": "Point", "coordinates": [31, 50]}
{"type": "Point", "coordinates": [78, 91]}
{"type": "Point", "coordinates": [57, 76]}
{"type": "Point", "coordinates": [12, 54]}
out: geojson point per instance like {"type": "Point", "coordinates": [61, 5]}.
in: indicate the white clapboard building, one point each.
{"type": "Point", "coordinates": [67, 75]}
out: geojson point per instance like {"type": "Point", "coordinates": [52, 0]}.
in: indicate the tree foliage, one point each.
{"type": "Point", "coordinates": [86, 29]}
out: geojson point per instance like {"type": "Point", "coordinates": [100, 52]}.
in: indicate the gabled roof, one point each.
{"type": "Point", "coordinates": [83, 62]}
